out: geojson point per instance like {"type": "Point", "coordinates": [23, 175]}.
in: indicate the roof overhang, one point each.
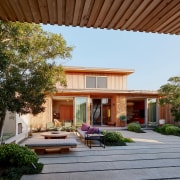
{"type": "Point", "coordinates": [73, 69]}
{"type": "Point", "coordinates": [107, 92]}
{"type": "Point", "coordinates": [158, 16]}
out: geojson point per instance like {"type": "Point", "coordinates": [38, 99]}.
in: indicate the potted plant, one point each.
{"type": "Point", "coordinates": [122, 119]}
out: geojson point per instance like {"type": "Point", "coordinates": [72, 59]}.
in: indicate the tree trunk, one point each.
{"type": "Point", "coordinates": [2, 119]}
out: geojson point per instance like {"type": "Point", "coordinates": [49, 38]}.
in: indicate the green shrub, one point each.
{"type": "Point", "coordinates": [157, 129]}
{"type": "Point", "coordinates": [168, 129]}
{"type": "Point", "coordinates": [135, 127]}
{"type": "Point", "coordinates": [113, 138]}
{"type": "Point", "coordinates": [15, 155]}
{"type": "Point", "coordinates": [162, 129]}
{"type": "Point", "coordinates": [172, 130]}
{"type": "Point", "coordinates": [17, 160]}
{"type": "Point", "coordinates": [16, 173]}
{"type": "Point", "coordinates": [128, 140]}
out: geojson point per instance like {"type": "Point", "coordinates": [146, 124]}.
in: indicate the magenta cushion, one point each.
{"type": "Point", "coordinates": [84, 127]}
{"type": "Point", "coordinates": [93, 130]}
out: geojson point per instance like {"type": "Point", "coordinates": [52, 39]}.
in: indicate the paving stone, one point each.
{"type": "Point", "coordinates": [151, 156]}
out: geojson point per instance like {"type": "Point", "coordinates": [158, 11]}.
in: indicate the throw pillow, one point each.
{"type": "Point", "coordinates": [84, 127]}
{"type": "Point", "coordinates": [93, 130]}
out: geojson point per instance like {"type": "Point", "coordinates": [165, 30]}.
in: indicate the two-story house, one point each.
{"type": "Point", "coordinates": [99, 96]}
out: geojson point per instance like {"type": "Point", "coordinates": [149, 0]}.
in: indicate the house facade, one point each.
{"type": "Point", "coordinates": [96, 96]}
{"type": "Point", "coordinates": [99, 97]}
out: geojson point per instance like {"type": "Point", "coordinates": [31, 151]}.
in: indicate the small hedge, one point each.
{"type": "Point", "coordinates": [135, 127]}
{"type": "Point", "coordinates": [17, 160]}
{"type": "Point", "coordinates": [168, 129]}
{"type": "Point", "coordinates": [114, 138]}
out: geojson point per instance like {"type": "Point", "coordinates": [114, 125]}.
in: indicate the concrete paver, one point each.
{"type": "Point", "coordinates": [151, 156]}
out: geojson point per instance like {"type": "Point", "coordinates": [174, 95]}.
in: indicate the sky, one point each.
{"type": "Point", "coordinates": [154, 57]}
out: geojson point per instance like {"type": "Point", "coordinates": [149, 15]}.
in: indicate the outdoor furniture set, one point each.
{"type": "Point", "coordinates": [90, 134]}
{"type": "Point", "coordinates": [56, 140]}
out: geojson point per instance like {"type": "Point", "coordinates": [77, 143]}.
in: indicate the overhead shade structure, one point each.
{"type": "Point", "coordinates": [157, 16]}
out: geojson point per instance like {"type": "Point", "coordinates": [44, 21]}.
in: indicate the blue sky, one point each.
{"type": "Point", "coordinates": [154, 57]}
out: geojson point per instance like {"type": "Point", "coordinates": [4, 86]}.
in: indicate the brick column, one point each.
{"type": "Point", "coordinates": [120, 110]}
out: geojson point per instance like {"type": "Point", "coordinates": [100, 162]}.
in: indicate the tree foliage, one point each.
{"type": "Point", "coordinates": [171, 95]}
{"type": "Point", "coordinates": [28, 67]}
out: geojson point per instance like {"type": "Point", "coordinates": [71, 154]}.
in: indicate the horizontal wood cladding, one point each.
{"type": "Point", "coordinates": [78, 80]}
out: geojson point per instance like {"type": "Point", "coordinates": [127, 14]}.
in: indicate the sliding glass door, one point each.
{"type": "Point", "coordinates": [152, 111]}
{"type": "Point", "coordinates": [80, 110]}
{"type": "Point", "coordinates": [100, 111]}
{"type": "Point", "coordinates": [96, 112]}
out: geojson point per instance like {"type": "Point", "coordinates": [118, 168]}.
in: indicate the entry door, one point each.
{"type": "Point", "coordinates": [66, 113]}
{"type": "Point", "coordinates": [152, 111]}
{"type": "Point", "coordinates": [96, 112]}
{"type": "Point", "coordinates": [80, 110]}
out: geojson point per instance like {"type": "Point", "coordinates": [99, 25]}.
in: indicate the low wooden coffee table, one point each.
{"type": "Point", "coordinates": [54, 135]}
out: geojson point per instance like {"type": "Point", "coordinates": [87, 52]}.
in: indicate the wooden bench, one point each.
{"type": "Point", "coordinates": [44, 145]}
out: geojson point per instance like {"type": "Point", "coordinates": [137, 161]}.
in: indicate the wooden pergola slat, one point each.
{"type": "Point", "coordinates": [34, 6]}
{"type": "Point", "coordinates": [111, 13]}
{"type": "Point", "coordinates": [103, 11]}
{"type": "Point", "coordinates": [135, 15]}
{"type": "Point", "coordinates": [129, 12]}
{"type": "Point", "coordinates": [26, 8]}
{"type": "Point", "coordinates": [159, 16]}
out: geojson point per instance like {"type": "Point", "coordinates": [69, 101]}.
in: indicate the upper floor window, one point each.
{"type": "Point", "coordinates": [96, 82]}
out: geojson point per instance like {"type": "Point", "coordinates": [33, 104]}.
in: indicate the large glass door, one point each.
{"type": "Point", "coordinates": [80, 110]}
{"type": "Point", "coordinates": [152, 111]}
{"type": "Point", "coordinates": [96, 112]}
{"type": "Point", "coordinates": [106, 111]}
{"type": "Point", "coordinates": [100, 111]}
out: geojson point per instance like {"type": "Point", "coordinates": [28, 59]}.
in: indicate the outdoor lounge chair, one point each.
{"type": "Point", "coordinates": [50, 126]}
{"type": "Point", "coordinates": [57, 124]}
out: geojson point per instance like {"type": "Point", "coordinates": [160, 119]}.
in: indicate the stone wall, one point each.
{"type": "Point", "coordinates": [120, 110]}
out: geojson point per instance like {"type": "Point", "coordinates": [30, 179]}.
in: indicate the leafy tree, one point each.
{"type": "Point", "coordinates": [171, 95]}
{"type": "Point", "coordinates": [28, 67]}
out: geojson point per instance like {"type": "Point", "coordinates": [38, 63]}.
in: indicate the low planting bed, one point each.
{"type": "Point", "coordinates": [168, 129]}
{"type": "Point", "coordinates": [135, 127]}
{"type": "Point", "coordinates": [17, 160]}
{"type": "Point", "coordinates": [115, 138]}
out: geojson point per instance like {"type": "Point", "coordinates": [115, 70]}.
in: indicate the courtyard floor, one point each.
{"type": "Point", "coordinates": [151, 156]}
